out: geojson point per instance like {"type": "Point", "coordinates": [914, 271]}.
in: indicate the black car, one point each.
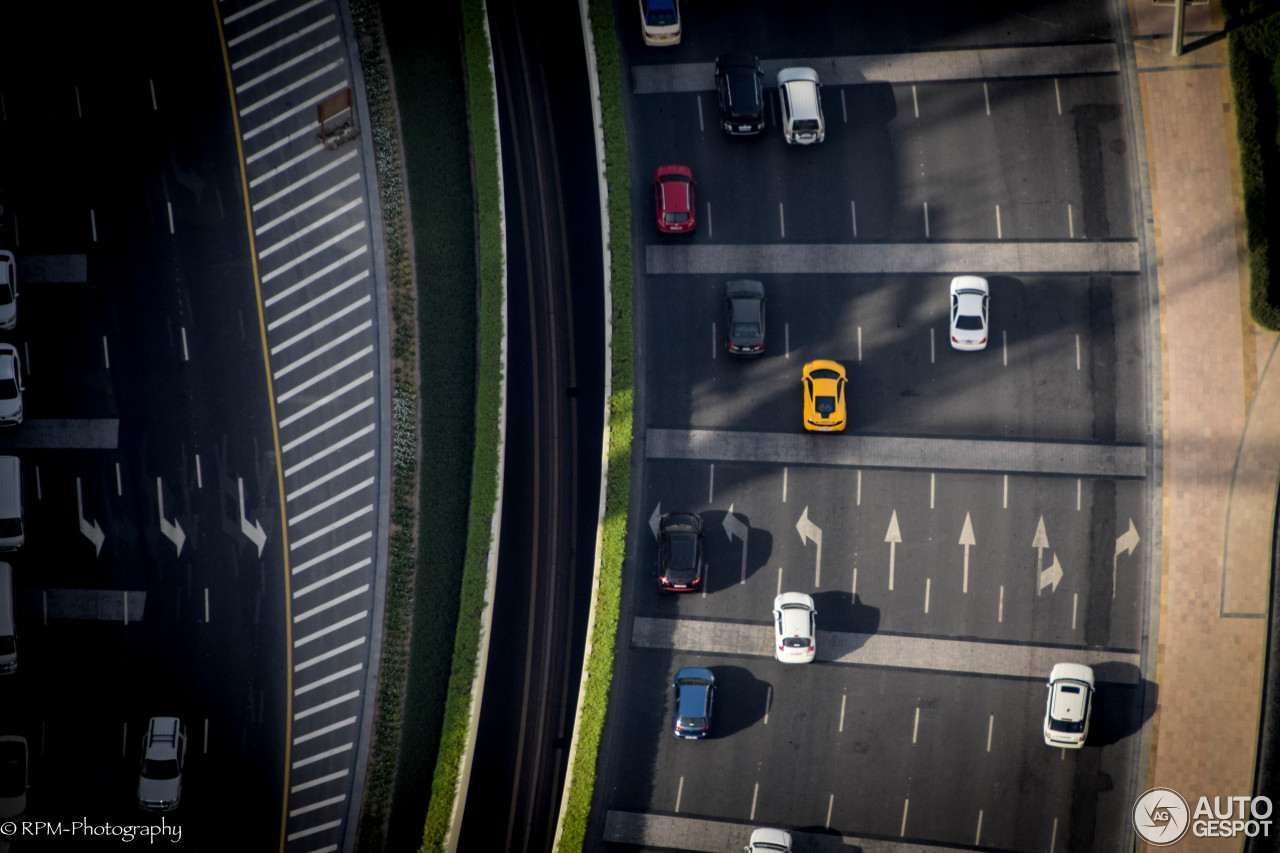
{"type": "Point", "coordinates": [741, 93]}
{"type": "Point", "coordinates": [744, 317]}
{"type": "Point", "coordinates": [680, 552]}
{"type": "Point", "coordinates": [695, 693]}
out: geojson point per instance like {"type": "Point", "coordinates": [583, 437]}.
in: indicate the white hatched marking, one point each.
{"type": "Point", "coordinates": [337, 472]}
{"type": "Point", "coordinates": [355, 436]}
{"type": "Point", "coordinates": [302, 641]}
{"type": "Point", "coordinates": [323, 505]}
{"type": "Point", "coordinates": [345, 647]}
{"type": "Point", "coordinates": [269, 24]}
{"type": "Point", "coordinates": [332, 727]}
{"type": "Point", "coordinates": [308, 131]}
{"type": "Point", "coordinates": [312, 303]}
{"type": "Point", "coordinates": [319, 223]}
{"type": "Point", "coordinates": [334, 421]}
{"type": "Point", "coordinates": [329, 398]}
{"type": "Point", "coordinates": [324, 374]}
{"type": "Point", "coordinates": [365, 563]}
{"type": "Point", "coordinates": [305, 107]}
{"type": "Point", "coordinates": [329, 528]}
{"type": "Point", "coordinates": [292, 87]}
{"type": "Point", "coordinates": [319, 351]}
{"type": "Point", "coordinates": [303, 833]}
{"type": "Point", "coordinates": [315, 561]}
{"type": "Point", "coordinates": [309, 28]}
{"type": "Point", "coordinates": [311, 253]}
{"type": "Point", "coordinates": [320, 781]}
{"type": "Point", "coordinates": [311, 202]}
{"type": "Point", "coordinates": [299, 58]}
{"type": "Point", "coordinates": [324, 706]}
{"type": "Point", "coordinates": [310, 176]}
{"type": "Point", "coordinates": [318, 805]}
{"type": "Point", "coordinates": [294, 288]}
{"type": "Point", "coordinates": [332, 318]}
{"type": "Point", "coordinates": [328, 679]}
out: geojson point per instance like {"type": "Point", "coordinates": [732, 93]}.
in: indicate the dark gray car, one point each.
{"type": "Point", "coordinates": [744, 318]}
{"type": "Point", "coordinates": [741, 93]}
{"type": "Point", "coordinates": [694, 698]}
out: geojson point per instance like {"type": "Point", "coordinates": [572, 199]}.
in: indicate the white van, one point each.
{"type": "Point", "coordinates": [799, 94]}
{"type": "Point", "coordinates": [12, 522]}
{"type": "Point", "coordinates": [8, 635]}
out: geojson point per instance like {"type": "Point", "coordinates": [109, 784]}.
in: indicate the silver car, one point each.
{"type": "Point", "coordinates": [164, 751]}
{"type": "Point", "coordinates": [8, 291]}
{"type": "Point", "coordinates": [10, 386]}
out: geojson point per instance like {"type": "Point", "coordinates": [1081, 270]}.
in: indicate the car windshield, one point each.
{"type": "Point", "coordinates": [160, 769]}
{"type": "Point", "coordinates": [825, 405]}
{"type": "Point", "coordinates": [8, 645]}
{"type": "Point", "coordinates": [824, 373]}
{"type": "Point", "coordinates": [796, 642]}
{"type": "Point", "coordinates": [807, 125]}
{"type": "Point", "coordinates": [680, 178]}
{"type": "Point", "coordinates": [673, 216]}
{"type": "Point", "coordinates": [1065, 726]}
{"type": "Point", "coordinates": [6, 295]}
{"type": "Point", "coordinates": [8, 389]}
{"type": "Point", "coordinates": [10, 527]}
{"type": "Point", "coordinates": [746, 330]}
{"type": "Point", "coordinates": [968, 322]}
{"type": "Point", "coordinates": [660, 17]}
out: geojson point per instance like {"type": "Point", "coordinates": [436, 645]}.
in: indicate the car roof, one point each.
{"type": "Point", "coordinates": [743, 288]}
{"type": "Point", "coordinates": [969, 282]}
{"type": "Point", "coordinates": [695, 672]}
{"type": "Point", "coordinates": [1073, 671]}
{"type": "Point", "coordinates": [737, 59]}
{"type": "Point", "coordinates": [793, 599]}
{"type": "Point", "coordinates": [795, 75]}
{"type": "Point", "coordinates": [660, 5]}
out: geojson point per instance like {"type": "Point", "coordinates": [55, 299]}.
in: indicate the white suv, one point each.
{"type": "Point", "coordinates": [794, 629]}
{"type": "Point", "coordinates": [1067, 709]}
{"type": "Point", "coordinates": [164, 749]}
{"type": "Point", "coordinates": [799, 94]}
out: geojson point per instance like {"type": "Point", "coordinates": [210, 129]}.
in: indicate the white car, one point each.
{"type": "Point", "coordinates": [10, 386]}
{"type": "Point", "coordinates": [660, 22]}
{"type": "Point", "coordinates": [164, 750]}
{"type": "Point", "coordinates": [8, 291]}
{"type": "Point", "coordinates": [969, 297]}
{"type": "Point", "coordinates": [766, 840]}
{"type": "Point", "coordinates": [794, 628]}
{"type": "Point", "coordinates": [1066, 713]}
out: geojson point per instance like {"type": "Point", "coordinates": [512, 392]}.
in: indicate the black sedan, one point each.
{"type": "Point", "coordinates": [695, 693]}
{"type": "Point", "coordinates": [680, 552]}
{"type": "Point", "coordinates": [744, 318]}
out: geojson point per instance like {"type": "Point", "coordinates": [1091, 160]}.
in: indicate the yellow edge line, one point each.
{"type": "Point", "coordinates": [275, 436]}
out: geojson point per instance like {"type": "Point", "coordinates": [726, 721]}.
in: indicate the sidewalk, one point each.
{"type": "Point", "coordinates": [1221, 424]}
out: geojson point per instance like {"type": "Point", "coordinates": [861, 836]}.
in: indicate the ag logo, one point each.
{"type": "Point", "coordinates": [1161, 817]}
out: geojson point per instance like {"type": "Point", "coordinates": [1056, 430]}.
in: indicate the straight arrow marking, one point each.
{"type": "Point", "coordinates": [967, 540]}
{"type": "Point", "coordinates": [810, 531]}
{"type": "Point", "coordinates": [1040, 542]}
{"type": "Point", "coordinates": [893, 536]}
{"type": "Point", "coordinates": [734, 526]}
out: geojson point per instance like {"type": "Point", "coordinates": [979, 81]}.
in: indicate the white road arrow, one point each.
{"type": "Point", "coordinates": [811, 532]}
{"type": "Point", "coordinates": [1040, 542]}
{"type": "Point", "coordinates": [893, 536]}
{"type": "Point", "coordinates": [173, 532]}
{"type": "Point", "coordinates": [254, 531]}
{"type": "Point", "coordinates": [92, 531]}
{"type": "Point", "coordinates": [1127, 541]}
{"type": "Point", "coordinates": [1051, 576]}
{"type": "Point", "coordinates": [966, 539]}
{"type": "Point", "coordinates": [655, 519]}
{"type": "Point", "coordinates": [734, 526]}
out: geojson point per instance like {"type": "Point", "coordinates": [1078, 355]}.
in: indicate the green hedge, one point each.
{"type": "Point", "coordinates": [598, 671]}
{"type": "Point", "coordinates": [1254, 57]}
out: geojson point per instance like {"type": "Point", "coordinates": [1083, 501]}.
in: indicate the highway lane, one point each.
{"type": "Point", "coordinates": [551, 488]}
{"type": "Point", "coordinates": [974, 526]}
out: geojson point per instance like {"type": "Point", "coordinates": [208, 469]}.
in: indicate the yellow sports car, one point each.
{"type": "Point", "coordinates": [824, 390]}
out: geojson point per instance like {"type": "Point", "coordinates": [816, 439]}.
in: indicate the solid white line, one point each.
{"type": "Point", "coordinates": [324, 706]}
{"type": "Point", "coordinates": [79, 114]}
{"type": "Point", "coordinates": [321, 350]}
{"type": "Point", "coordinates": [332, 727]}
{"type": "Point", "coordinates": [778, 591]}
{"type": "Point", "coordinates": [199, 475]}
{"type": "Point", "coordinates": [1004, 346]}
{"type": "Point", "coordinates": [1053, 839]}
{"type": "Point", "coordinates": [312, 759]}
{"type": "Point", "coordinates": [269, 24]}
{"type": "Point", "coordinates": [323, 505]}
{"type": "Point", "coordinates": [292, 87]}
{"type": "Point", "coordinates": [304, 107]}
{"type": "Point", "coordinates": [345, 467]}
{"type": "Point", "coordinates": [314, 226]}
{"type": "Point", "coordinates": [329, 398]}
{"type": "Point", "coordinates": [859, 490]}
{"type": "Point", "coordinates": [39, 494]}
{"type": "Point", "coordinates": [124, 743]}
{"type": "Point", "coordinates": [999, 228]}
{"type": "Point", "coordinates": [1077, 350]}
{"type": "Point", "coordinates": [1078, 489]}
{"type": "Point", "coordinates": [991, 725]}
{"type": "Point", "coordinates": [933, 479]}
{"type": "Point", "coordinates": [915, 727]}
{"type": "Point", "coordinates": [786, 340]}
{"type": "Point", "coordinates": [318, 274]}
{"type": "Point", "coordinates": [315, 327]}
{"type": "Point", "coordinates": [235, 66]}
{"type": "Point", "coordinates": [933, 347]}
{"type": "Point", "coordinates": [320, 804]}
{"type": "Point", "coordinates": [206, 604]}
{"type": "Point", "coordinates": [1071, 225]}
{"type": "Point", "coordinates": [302, 786]}
{"type": "Point", "coordinates": [307, 130]}
{"type": "Point", "coordinates": [329, 528]}
{"type": "Point", "coordinates": [302, 641]}
{"type": "Point", "coordinates": [844, 108]}
{"type": "Point", "coordinates": [926, 219]}
{"type": "Point", "coordinates": [310, 202]}
{"type": "Point", "coordinates": [310, 253]}
{"type": "Point", "coordinates": [1075, 600]}
{"type": "Point", "coordinates": [709, 230]}
{"type": "Point", "coordinates": [297, 58]}
{"type": "Point", "coordinates": [327, 451]}
{"type": "Point", "coordinates": [303, 181]}
{"type": "Point", "coordinates": [755, 794]}
{"type": "Point", "coordinates": [831, 801]}
{"type": "Point", "coordinates": [354, 567]}
{"type": "Point", "coordinates": [679, 791]}
{"type": "Point", "coordinates": [324, 427]}
{"type": "Point", "coordinates": [314, 561]}
{"type": "Point", "coordinates": [713, 340]}
{"type": "Point", "coordinates": [1006, 491]}
{"type": "Point", "coordinates": [345, 647]}
{"type": "Point", "coordinates": [324, 374]}
{"type": "Point", "coordinates": [333, 602]}
{"type": "Point", "coordinates": [206, 735]}
{"type": "Point", "coordinates": [855, 580]}
{"type": "Point", "coordinates": [859, 343]}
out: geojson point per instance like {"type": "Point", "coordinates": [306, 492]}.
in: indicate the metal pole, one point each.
{"type": "Point", "coordinates": [1179, 20]}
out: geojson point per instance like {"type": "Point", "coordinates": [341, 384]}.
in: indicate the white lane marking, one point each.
{"type": "Point", "coordinates": [713, 340]}
{"type": "Point", "coordinates": [316, 806]}
{"type": "Point", "coordinates": [853, 210]}
{"type": "Point", "coordinates": [1004, 346]}
{"type": "Point", "coordinates": [1000, 612]}
{"type": "Point", "coordinates": [855, 580]}
{"type": "Point", "coordinates": [933, 479]}
{"type": "Point", "coordinates": [928, 582]}
{"type": "Point", "coordinates": [152, 84]}
{"type": "Point", "coordinates": [307, 131]}
{"type": "Point", "coordinates": [991, 725]}
{"type": "Point", "coordinates": [786, 340]}
{"type": "Point", "coordinates": [328, 579]}
{"type": "Point", "coordinates": [755, 794]}
{"type": "Point", "coordinates": [320, 558]}
{"type": "Point", "coordinates": [336, 626]}
{"type": "Point", "coordinates": [986, 97]}
{"type": "Point", "coordinates": [310, 253]}
{"type": "Point", "coordinates": [1071, 224]}
{"type": "Point", "coordinates": [337, 471]}
{"type": "Point", "coordinates": [324, 427]}
{"type": "Point", "coordinates": [784, 483]}
{"type": "Point", "coordinates": [93, 224]}
{"type": "Point", "coordinates": [1077, 350]}
{"type": "Point", "coordinates": [710, 230]}
{"type": "Point", "coordinates": [1057, 95]}
{"type": "Point", "coordinates": [323, 780]}
{"type": "Point", "coordinates": [328, 679]}
{"type": "Point", "coordinates": [915, 726]}
{"type": "Point", "coordinates": [782, 220]}
{"type": "Point", "coordinates": [26, 358]}
{"type": "Point", "coordinates": [926, 219]}
{"type": "Point", "coordinates": [297, 84]}
{"type": "Point", "coordinates": [915, 102]}
{"type": "Point", "coordinates": [285, 66]}
{"type": "Point", "coordinates": [206, 604]}
{"type": "Point", "coordinates": [315, 327]}
{"type": "Point", "coordinates": [332, 526]}
{"type": "Point", "coordinates": [831, 801]}
{"type": "Point", "coordinates": [905, 805]}
{"type": "Point", "coordinates": [106, 355]}
{"type": "Point", "coordinates": [324, 730]}
{"type": "Point", "coordinates": [39, 495]}
{"type": "Point", "coordinates": [1075, 600]}
{"type": "Point", "coordinates": [310, 177]}
{"type": "Point", "coordinates": [844, 108]}
{"type": "Point", "coordinates": [1078, 489]}
{"type": "Point", "coordinates": [933, 347]}
{"type": "Point", "coordinates": [321, 350]}
{"type": "Point", "coordinates": [314, 226]}
{"type": "Point", "coordinates": [186, 354]}
{"type": "Point", "coordinates": [859, 343]}
{"type": "Point", "coordinates": [977, 837]}
{"type": "Point", "coordinates": [1006, 491]}
{"type": "Point", "coordinates": [324, 374]}
{"type": "Point", "coordinates": [323, 505]}
{"type": "Point", "coordinates": [1053, 839]}
{"type": "Point", "coordinates": [324, 706]}
{"type": "Point", "coordinates": [327, 399]}
{"type": "Point", "coordinates": [999, 227]}
{"type": "Point", "coordinates": [289, 291]}
{"type": "Point", "coordinates": [858, 501]}
{"type": "Point", "coordinates": [844, 698]}
{"type": "Point", "coordinates": [79, 114]}
{"type": "Point", "coordinates": [169, 207]}
{"type": "Point", "coordinates": [702, 127]}
{"type": "Point", "coordinates": [768, 698]}
{"type": "Point", "coordinates": [235, 66]}
{"type": "Point", "coordinates": [120, 483]}
{"type": "Point", "coordinates": [345, 647]}
{"type": "Point", "coordinates": [310, 202]}
{"type": "Point", "coordinates": [679, 792]}
{"type": "Point", "coordinates": [125, 597]}
{"type": "Point", "coordinates": [711, 485]}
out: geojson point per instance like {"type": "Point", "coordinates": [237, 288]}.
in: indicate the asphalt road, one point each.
{"type": "Point", "coordinates": [983, 516]}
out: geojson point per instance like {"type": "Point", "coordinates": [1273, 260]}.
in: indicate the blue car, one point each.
{"type": "Point", "coordinates": [695, 693]}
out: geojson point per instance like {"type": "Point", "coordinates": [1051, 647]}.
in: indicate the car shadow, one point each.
{"type": "Point", "coordinates": [741, 700]}
{"type": "Point", "coordinates": [847, 617]}
{"type": "Point", "coordinates": [1123, 702]}
{"type": "Point", "coordinates": [722, 547]}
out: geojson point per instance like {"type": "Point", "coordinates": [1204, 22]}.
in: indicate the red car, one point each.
{"type": "Point", "coordinates": [673, 196]}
